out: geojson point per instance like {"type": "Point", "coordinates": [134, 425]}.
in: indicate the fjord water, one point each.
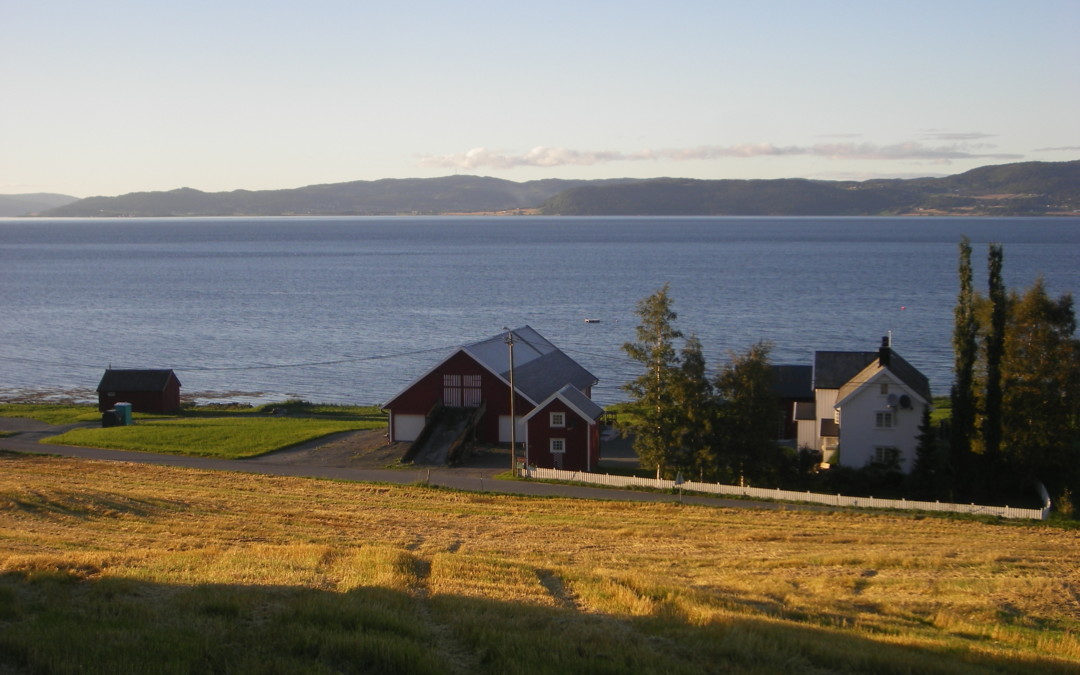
{"type": "Point", "coordinates": [351, 310]}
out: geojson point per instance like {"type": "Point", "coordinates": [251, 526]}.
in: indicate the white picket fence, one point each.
{"type": "Point", "coordinates": [788, 495]}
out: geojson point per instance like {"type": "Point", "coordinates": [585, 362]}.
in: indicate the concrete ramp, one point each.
{"type": "Point", "coordinates": [440, 442]}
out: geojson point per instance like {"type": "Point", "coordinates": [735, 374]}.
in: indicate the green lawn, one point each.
{"type": "Point", "coordinates": [51, 413]}
{"type": "Point", "coordinates": [231, 437]}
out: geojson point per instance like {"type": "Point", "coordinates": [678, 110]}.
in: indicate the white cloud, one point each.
{"type": "Point", "coordinates": [542, 156]}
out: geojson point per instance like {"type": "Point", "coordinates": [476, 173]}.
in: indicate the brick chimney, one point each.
{"type": "Point", "coordinates": [885, 352]}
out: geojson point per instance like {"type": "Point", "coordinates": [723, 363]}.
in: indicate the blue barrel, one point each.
{"type": "Point", "coordinates": [123, 411]}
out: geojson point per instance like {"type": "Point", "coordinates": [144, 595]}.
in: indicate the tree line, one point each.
{"type": "Point", "coordinates": [1016, 393]}
{"type": "Point", "coordinates": [1013, 418]}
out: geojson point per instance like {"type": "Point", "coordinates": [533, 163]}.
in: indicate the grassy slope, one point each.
{"type": "Point", "coordinates": [124, 568]}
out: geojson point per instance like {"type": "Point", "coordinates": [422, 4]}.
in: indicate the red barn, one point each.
{"type": "Point", "coordinates": [478, 376]}
{"type": "Point", "coordinates": [145, 390]}
{"type": "Point", "coordinates": [563, 432]}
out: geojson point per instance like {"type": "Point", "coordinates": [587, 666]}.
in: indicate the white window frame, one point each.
{"type": "Point", "coordinates": [886, 454]}
{"type": "Point", "coordinates": [558, 420]}
{"type": "Point", "coordinates": [884, 419]}
{"type": "Point", "coordinates": [557, 446]}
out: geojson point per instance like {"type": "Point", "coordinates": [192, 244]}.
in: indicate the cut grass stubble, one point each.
{"type": "Point", "coordinates": [233, 572]}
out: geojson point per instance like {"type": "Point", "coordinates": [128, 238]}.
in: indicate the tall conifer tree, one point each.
{"type": "Point", "coordinates": [654, 423]}
{"type": "Point", "coordinates": [995, 348]}
{"type": "Point", "coordinates": [965, 347]}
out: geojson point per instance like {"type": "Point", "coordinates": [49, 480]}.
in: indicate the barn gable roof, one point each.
{"type": "Point", "coordinates": [133, 379]}
{"type": "Point", "coordinates": [540, 368]}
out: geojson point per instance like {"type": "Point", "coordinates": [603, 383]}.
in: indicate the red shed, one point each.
{"type": "Point", "coordinates": [563, 432]}
{"type": "Point", "coordinates": [145, 390]}
{"type": "Point", "coordinates": [478, 375]}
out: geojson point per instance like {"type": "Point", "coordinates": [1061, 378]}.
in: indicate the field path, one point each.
{"type": "Point", "coordinates": [304, 462]}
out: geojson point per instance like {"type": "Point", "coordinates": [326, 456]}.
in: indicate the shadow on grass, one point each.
{"type": "Point", "coordinates": [76, 620]}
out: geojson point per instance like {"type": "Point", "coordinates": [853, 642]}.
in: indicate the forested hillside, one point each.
{"type": "Point", "coordinates": [1030, 188]}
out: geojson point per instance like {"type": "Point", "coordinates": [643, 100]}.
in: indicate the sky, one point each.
{"type": "Point", "coordinates": [117, 96]}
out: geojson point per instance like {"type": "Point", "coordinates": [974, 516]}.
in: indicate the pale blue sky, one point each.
{"type": "Point", "coordinates": [116, 96]}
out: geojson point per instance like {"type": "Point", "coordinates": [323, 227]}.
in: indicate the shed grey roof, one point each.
{"type": "Point", "coordinates": [540, 368]}
{"type": "Point", "coordinates": [793, 381]}
{"type": "Point", "coordinates": [133, 379]}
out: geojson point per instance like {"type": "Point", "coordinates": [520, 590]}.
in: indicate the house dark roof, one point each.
{"type": "Point", "coordinates": [833, 370]}
{"type": "Point", "coordinates": [793, 382]}
{"type": "Point", "coordinates": [540, 369]}
{"type": "Point", "coordinates": [910, 376]}
{"type": "Point", "coordinates": [135, 380]}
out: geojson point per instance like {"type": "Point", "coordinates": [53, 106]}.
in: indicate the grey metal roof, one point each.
{"type": "Point", "coordinates": [132, 379]}
{"type": "Point", "coordinates": [578, 400]}
{"type": "Point", "coordinates": [540, 368]}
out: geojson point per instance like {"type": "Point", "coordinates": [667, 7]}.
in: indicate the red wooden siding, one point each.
{"type": "Point", "coordinates": [581, 439]}
{"type": "Point", "coordinates": [461, 382]}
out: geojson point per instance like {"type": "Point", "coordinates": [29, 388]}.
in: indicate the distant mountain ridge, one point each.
{"type": "Point", "coordinates": [388, 196]}
{"type": "Point", "coordinates": [32, 204]}
{"type": "Point", "coordinates": [1027, 188]}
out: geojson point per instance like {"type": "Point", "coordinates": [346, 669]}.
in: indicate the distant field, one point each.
{"type": "Point", "coordinates": [108, 567]}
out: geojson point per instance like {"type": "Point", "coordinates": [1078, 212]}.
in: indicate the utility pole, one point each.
{"type": "Point", "coordinates": [513, 418]}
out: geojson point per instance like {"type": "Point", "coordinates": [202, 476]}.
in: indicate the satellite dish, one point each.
{"type": "Point", "coordinates": [905, 402]}
{"type": "Point", "coordinates": [892, 400]}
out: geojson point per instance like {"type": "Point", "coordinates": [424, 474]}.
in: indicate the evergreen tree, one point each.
{"type": "Point", "coordinates": [655, 419]}
{"type": "Point", "coordinates": [748, 406]}
{"type": "Point", "coordinates": [692, 395]}
{"type": "Point", "coordinates": [925, 476]}
{"type": "Point", "coordinates": [965, 347]}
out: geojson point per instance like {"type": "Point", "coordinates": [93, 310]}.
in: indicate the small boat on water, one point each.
{"type": "Point", "coordinates": [592, 320]}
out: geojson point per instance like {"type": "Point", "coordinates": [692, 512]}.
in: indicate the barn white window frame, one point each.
{"type": "Point", "coordinates": [557, 446]}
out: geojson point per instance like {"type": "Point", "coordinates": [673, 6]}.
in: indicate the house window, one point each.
{"type": "Point", "coordinates": [558, 419]}
{"type": "Point", "coordinates": [884, 388]}
{"type": "Point", "coordinates": [886, 454]}
{"type": "Point", "coordinates": [883, 420]}
{"type": "Point", "coordinates": [557, 445]}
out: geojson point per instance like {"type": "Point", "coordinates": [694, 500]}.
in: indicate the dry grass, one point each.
{"type": "Point", "coordinates": [330, 575]}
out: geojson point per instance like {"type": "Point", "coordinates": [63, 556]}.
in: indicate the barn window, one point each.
{"type": "Point", "coordinates": [558, 419]}
{"type": "Point", "coordinates": [558, 445]}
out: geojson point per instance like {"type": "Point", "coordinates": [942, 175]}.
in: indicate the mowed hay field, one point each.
{"type": "Point", "coordinates": [123, 568]}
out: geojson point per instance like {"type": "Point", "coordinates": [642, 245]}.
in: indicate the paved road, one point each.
{"type": "Point", "coordinates": [29, 433]}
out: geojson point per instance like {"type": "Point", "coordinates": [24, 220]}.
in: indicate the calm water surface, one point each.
{"type": "Point", "coordinates": [352, 309]}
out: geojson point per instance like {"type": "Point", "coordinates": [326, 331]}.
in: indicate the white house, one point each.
{"type": "Point", "coordinates": [868, 407]}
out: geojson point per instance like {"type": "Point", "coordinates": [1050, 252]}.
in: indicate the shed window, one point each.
{"type": "Point", "coordinates": [558, 445]}
{"type": "Point", "coordinates": [558, 419]}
